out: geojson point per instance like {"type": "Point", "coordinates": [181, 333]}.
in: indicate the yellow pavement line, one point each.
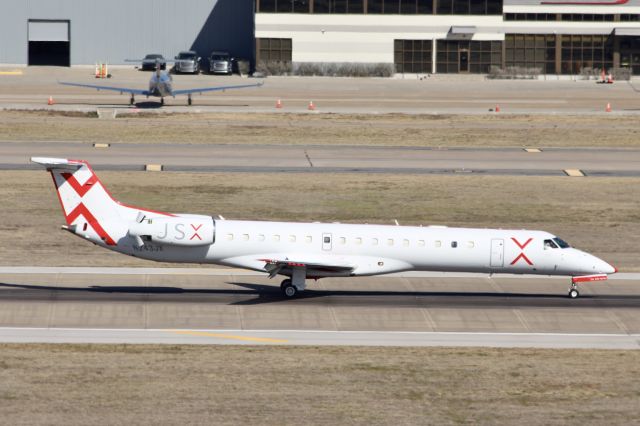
{"type": "Point", "coordinates": [228, 336]}
{"type": "Point", "coordinates": [10, 72]}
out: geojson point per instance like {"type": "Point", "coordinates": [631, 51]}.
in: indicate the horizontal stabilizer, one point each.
{"type": "Point", "coordinates": [57, 163]}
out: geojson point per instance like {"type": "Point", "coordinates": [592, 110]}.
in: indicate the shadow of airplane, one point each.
{"type": "Point", "coordinates": [258, 294]}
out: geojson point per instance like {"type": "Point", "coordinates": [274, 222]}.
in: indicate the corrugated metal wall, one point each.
{"type": "Point", "coordinates": [114, 30]}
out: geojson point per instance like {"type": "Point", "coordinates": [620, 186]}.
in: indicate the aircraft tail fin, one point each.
{"type": "Point", "coordinates": [88, 208]}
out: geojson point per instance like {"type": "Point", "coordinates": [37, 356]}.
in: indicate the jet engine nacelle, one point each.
{"type": "Point", "coordinates": [189, 230]}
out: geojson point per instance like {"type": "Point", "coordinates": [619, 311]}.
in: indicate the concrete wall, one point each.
{"type": "Point", "coordinates": [115, 30]}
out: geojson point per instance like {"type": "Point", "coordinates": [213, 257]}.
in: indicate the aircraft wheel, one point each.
{"type": "Point", "coordinates": [289, 290]}
{"type": "Point", "coordinates": [189, 101]}
{"type": "Point", "coordinates": [284, 283]}
{"type": "Point", "coordinates": [161, 101]}
{"type": "Point", "coordinates": [574, 293]}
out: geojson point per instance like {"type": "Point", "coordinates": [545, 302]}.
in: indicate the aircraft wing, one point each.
{"type": "Point", "coordinates": [278, 266]}
{"type": "Point", "coordinates": [214, 89]}
{"type": "Point", "coordinates": [112, 88]}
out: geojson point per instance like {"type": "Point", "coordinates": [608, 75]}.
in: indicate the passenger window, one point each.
{"type": "Point", "coordinates": [308, 239]}
{"type": "Point", "coordinates": [405, 243]}
{"type": "Point", "coordinates": [454, 244]}
{"type": "Point", "coordinates": [260, 237]}
{"type": "Point", "coordinates": [276, 238]}
{"type": "Point", "coordinates": [292, 238]}
{"type": "Point", "coordinates": [358, 241]}
{"type": "Point", "coordinates": [420, 243]}
{"type": "Point", "coordinates": [343, 240]}
{"type": "Point", "coordinates": [327, 240]}
{"type": "Point", "coordinates": [230, 237]}
{"type": "Point", "coordinates": [245, 237]}
{"type": "Point", "coordinates": [374, 241]}
{"type": "Point", "coordinates": [390, 242]}
{"type": "Point", "coordinates": [438, 243]}
{"type": "Point", "coordinates": [471, 244]}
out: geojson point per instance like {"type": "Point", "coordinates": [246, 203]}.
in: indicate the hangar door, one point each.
{"type": "Point", "coordinates": [49, 43]}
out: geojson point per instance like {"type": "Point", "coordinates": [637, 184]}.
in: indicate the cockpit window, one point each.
{"type": "Point", "coordinates": [550, 244]}
{"type": "Point", "coordinates": [563, 244]}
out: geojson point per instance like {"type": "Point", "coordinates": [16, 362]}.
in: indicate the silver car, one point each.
{"type": "Point", "coordinates": [220, 63]}
{"type": "Point", "coordinates": [187, 62]}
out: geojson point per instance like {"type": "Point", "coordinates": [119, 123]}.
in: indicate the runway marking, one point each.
{"type": "Point", "coordinates": [227, 336]}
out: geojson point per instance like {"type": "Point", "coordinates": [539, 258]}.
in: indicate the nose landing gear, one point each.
{"type": "Point", "coordinates": [573, 291]}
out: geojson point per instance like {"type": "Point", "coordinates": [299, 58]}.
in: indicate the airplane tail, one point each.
{"type": "Point", "coordinates": [88, 208]}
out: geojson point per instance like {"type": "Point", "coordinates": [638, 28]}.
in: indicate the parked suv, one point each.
{"type": "Point", "coordinates": [187, 61]}
{"type": "Point", "coordinates": [149, 62]}
{"type": "Point", "coordinates": [220, 63]}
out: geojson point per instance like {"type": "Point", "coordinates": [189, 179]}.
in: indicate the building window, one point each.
{"type": "Point", "coordinates": [469, 7]}
{"type": "Point", "coordinates": [531, 51]}
{"type": "Point", "coordinates": [454, 56]}
{"type": "Point", "coordinates": [338, 6]}
{"type": "Point", "coordinates": [412, 56]}
{"type": "Point", "coordinates": [405, 7]}
{"type": "Point", "coordinates": [529, 16]}
{"type": "Point", "coordinates": [273, 49]}
{"type": "Point", "coordinates": [585, 51]}
{"type": "Point", "coordinates": [282, 6]}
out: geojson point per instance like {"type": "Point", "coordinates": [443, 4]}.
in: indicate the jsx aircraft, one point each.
{"type": "Point", "coordinates": [302, 251]}
{"type": "Point", "coordinates": [160, 86]}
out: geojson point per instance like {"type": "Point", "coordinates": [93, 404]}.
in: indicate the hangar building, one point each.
{"type": "Point", "coordinates": [77, 32]}
{"type": "Point", "coordinates": [417, 36]}
{"type": "Point", "coordinates": [453, 36]}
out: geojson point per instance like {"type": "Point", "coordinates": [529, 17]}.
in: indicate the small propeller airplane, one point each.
{"type": "Point", "coordinates": [160, 86]}
{"type": "Point", "coordinates": [302, 251]}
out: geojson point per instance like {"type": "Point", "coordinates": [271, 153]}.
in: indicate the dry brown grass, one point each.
{"type": "Point", "coordinates": [327, 129]}
{"type": "Point", "coordinates": [605, 224]}
{"type": "Point", "coordinates": [116, 384]}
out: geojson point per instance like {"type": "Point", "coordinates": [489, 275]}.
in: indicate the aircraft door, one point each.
{"type": "Point", "coordinates": [326, 242]}
{"type": "Point", "coordinates": [497, 253]}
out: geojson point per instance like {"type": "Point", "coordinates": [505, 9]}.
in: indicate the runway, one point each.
{"type": "Point", "coordinates": [440, 306]}
{"type": "Point", "coordinates": [332, 159]}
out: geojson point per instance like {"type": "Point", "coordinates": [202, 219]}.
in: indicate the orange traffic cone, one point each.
{"type": "Point", "coordinates": [50, 101]}
{"type": "Point", "coordinates": [279, 104]}
{"type": "Point", "coordinates": [608, 108]}
{"type": "Point", "coordinates": [497, 108]}
{"type": "Point", "coordinates": [610, 79]}
{"type": "Point", "coordinates": [312, 107]}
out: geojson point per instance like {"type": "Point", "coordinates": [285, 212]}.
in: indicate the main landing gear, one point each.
{"type": "Point", "coordinates": [573, 291]}
{"type": "Point", "coordinates": [162, 101]}
{"type": "Point", "coordinates": [288, 289]}
{"type": "Point", "coordinates": [132, 100]}
{"type": "Point", "coordinates": [297, 283]}
{"type": "Point", "coordinates": [189, 101]}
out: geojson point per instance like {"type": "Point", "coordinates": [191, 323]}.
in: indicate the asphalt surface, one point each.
{"type": "Point", "coordinates": [31, 87]}
{"type": "Point", "coordinates": [319, 338]}
{"type": "Point", "coordinates": [331, 159]}
{"type": "Point", "coordinates": [513, 310]}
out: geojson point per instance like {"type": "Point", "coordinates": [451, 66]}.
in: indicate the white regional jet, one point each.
{"type": "Point", "coordinates": [307, 250]}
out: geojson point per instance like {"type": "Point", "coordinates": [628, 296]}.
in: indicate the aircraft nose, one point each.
{"type": "Point", "coordinates": [603, 267]}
